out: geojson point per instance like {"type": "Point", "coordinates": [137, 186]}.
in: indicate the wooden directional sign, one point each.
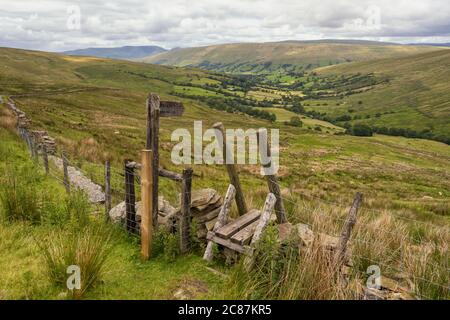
{"type": "Point", "coordinates": [171, 109]}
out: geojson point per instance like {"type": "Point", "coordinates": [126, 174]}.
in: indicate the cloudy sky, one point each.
{"type": "Point", "coordinates": [61, 25]}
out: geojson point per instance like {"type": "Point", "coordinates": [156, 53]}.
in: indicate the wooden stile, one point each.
{"type": "Point", "coordinates": [265, 217]}
{"type": "Point", "coordinates": [240, 223]}
{"type": "Point", "coordinates": [221, 220]}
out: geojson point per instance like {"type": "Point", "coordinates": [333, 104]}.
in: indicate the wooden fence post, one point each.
{"type": "Point", "coordinates": [33, 148]}
{"type": "Point", "coordinates": [185, 219]}
{"type": "Point", "coordinates": [221, 219]}
{"type": "Point", "coordinates": [147, 204]}
{"type": "Point", "coordinates": [66, 172]}
{"type": "Point", "coordinates": [152, 143]}
{"type": "Point", "coordinates": [45, 158]}
{"type": "Point", "coordinates": [28, 141]}
{"type": "Point", "coordinates": [262, 223]}
{"type": "Point", "coordinates": [272, 181]}
{"type": "Point", "coordinates": [130, 197]}
{"type": "Point", "coordinates": [107, 189]}
{"type": "Point", "coordinates": [231, 169]}
{"type": "Point", "coordinates": [265, 215]}
{"type": "Point", "coordinates": [346, 230]}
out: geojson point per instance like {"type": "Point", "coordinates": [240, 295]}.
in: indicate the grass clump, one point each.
{"type": "Point", "coordinates": [87, 248]}
{"type": "Point", "coordinates": [19, 197]}
{"type": "Point", "coordinates": [166, 244]}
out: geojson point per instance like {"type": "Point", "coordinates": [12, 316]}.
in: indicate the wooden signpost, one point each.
{"type": "Point", "coordinates": [150, 172]}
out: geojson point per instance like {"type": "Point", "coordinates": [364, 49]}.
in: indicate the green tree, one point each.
{"type": "Point", "coordinates": [296, 122]}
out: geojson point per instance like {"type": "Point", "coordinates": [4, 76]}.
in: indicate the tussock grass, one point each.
{"type": "Point", "coordinates": [19, 197]}
{"type": "Point", "coordinates": [88, 248]}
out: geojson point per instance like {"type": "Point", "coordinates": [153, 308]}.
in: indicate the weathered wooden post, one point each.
{"type": "Point", "coordinates": [272, 182]}
{"type": "Point", "coordinates": [150, 169]}
{"type": "Point", "coordinates": [33, 145]}
{"type": "Point", "coordinates": [45, 158]}
{"type": "Point", "coordinates": [152, 143]}
{"type": "Point", "coordinates": [263, 221]}
{"type": "Point", "coordinates": [28, 141]}
{"type": "Point", "coordinates": [221, 219]}
{"type": "Point", "coordinates": [185, 219]}
{"type": "Point", "coordinates": [107, 189]}
{"type": "Point", "coordinates": [147, 204]}
{"type": "Point", "coordinates": [231, 169]}
{"type": "Point", "coordinates": [346, 230]}
{"type": "Point", "coordinates": [130, 196]}
{"type": "Point", "coordinates": [66, 172]}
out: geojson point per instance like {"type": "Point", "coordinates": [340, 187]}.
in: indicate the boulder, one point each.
{"type": "Point", "coordinates": [118, 213]}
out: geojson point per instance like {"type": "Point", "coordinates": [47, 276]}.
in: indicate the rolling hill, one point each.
{"type": "Point", "coordinates": [126, 53]}
{"type": "Point", "coordinates": [415, 94]}
{"type": "Point", "coordinates": [286, 56]}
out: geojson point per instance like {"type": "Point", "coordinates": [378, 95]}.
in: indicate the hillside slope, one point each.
{"type": "Point", "coordinates": [126, 52]}
{"type": "Point", "coordinates": [416, 96]}
{"type": "Point", "coordinates": [95, 108]}
{"type": "Point", "coordinates": [287, 55]}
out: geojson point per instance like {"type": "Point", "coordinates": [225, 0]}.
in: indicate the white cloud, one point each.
{"type": "Point", "coordinates": [173, 23]}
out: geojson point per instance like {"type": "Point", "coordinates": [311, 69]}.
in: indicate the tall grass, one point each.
{"type": "Point", "coordinates": [19, 197]}
{"type": "Point", "coordinates": [76, 209]}
{"type": "Point", "coordinates": [80, 241]}
{"type": "Point", "coordinates": [88, 248]}
{"type": "Point", "coordinates": [7, 119]}
{"type": "Point", "coordinates": [283, 271]}
{"type": "Point", "coordinates": [415, 254]}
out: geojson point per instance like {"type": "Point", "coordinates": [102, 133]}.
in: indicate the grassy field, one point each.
{"type": "Point", "coordinates": [416, 96]}
{"type": "Point", "coordinates": [96, 110]}
{"type": "Point", "coordinates": [284, 115]}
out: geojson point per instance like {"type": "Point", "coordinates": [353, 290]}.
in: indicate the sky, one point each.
{"type": "Point", "coordinates": [52, 25]}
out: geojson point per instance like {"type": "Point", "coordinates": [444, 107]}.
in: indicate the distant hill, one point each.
{"type": "Point", "coordinates": [285, 56]}
{"type": "Point", "coordinates": [432, 44]}
{"type": "Point", "coordinates": [126, 53]}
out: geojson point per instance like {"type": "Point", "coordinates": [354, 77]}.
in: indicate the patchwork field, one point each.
{"type": "Point", "coordinates": [416, 96]}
